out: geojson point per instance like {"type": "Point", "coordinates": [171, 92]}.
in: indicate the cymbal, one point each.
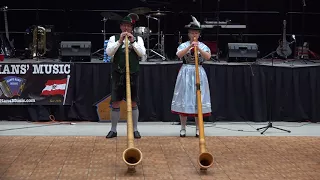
{"type": "Point", "coordinates": [140, 10]}
{"type": "Point", "coordinates": [111, 16]}
{"type": "Point", "coordinates": [158, 13]}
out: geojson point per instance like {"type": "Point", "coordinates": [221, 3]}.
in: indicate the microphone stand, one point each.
{"type": "Point", "coordinates": [302, 23]}
{"type": "Point", "coordinates": [270, 125]}
{"type": "Point", "coordinates": [218, 28]}
{"type": "Point", "coordinates": [302, 36]}
{"type": "Point", "coordinates": [37, 25]}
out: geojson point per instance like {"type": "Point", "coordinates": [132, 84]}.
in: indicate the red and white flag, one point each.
{"type": "Point", "coordinates": [55, 87]}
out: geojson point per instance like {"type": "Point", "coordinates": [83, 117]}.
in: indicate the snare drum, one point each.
{"type": "Point", "coordinates": [144, 32]}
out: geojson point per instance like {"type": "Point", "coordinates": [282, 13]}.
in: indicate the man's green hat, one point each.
{"type": "Point", "coordinates": [131, 18]}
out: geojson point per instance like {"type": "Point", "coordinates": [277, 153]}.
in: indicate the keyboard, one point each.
{"type": "Point", "coordinates": [226, 26]}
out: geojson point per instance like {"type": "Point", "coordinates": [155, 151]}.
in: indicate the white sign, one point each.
{"type": "Point", "coordinates": [36, 68]}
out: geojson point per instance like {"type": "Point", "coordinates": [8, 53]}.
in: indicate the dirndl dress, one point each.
{"type": "Point", "coordinates": [184, 101]}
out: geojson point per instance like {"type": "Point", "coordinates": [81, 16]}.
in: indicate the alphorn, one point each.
{"type": "Point", "coordinates": [205, 158]}
{"type": "Point", "coordinates": [131, 156]}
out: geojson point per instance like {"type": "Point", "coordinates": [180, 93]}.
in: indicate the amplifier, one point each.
{"type": "Point", "coordinates": [242, 52]}
{"type": "Point", "coordinates": [75, 51]}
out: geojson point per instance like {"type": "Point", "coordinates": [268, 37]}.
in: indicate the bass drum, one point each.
{"type": "Point", "coordinates": [143, 32]}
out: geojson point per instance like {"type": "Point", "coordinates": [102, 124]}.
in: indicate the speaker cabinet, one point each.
{"type": "Point", "coordinates": [242, 52]}
{"type": "Point", "coordinates": [75, 51]}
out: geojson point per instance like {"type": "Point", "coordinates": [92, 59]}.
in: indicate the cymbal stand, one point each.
{"type": "Point", "coordinates": [159, 45]}
{"type": "Point", "coordinates": [104, 37]}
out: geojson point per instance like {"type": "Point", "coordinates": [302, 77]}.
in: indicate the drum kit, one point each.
{"type": "Point", "coordinates": [142, 31]}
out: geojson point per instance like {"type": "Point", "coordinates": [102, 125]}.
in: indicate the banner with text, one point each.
{"type": "Point", "coordinates": [34, 83]}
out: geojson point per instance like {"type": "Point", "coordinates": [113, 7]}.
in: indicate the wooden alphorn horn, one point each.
{"type": "Point", "coordinates": [205, 158]}
{"type": "Point", "coordinates": [131, 156]}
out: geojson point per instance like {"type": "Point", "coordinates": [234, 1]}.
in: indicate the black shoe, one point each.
{"type": "Point", "coordinates": [111, 134]}
{"type": "Point", "coordinates": [136, 134]}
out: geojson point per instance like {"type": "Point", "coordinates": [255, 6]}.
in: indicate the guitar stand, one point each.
{"type": "Point", "coordinates": [271, 126]}
{"type": "Point", "coordinates": [272, 53]}
{"type": "Point", "coordinates": [301, 59]}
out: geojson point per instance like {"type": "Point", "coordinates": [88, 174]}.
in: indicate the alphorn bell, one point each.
{"type": "Point", "coordinates": [205, 159]}
{"type": "Point", "coordinates": [131, 156]}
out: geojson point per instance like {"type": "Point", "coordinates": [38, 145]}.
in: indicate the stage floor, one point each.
{"type": "Point", "coordinates": [267, 62]}
{"type": "Point", "coordinates": [80, 151]}
{"type": "Point", "coordinates": [85, 157]}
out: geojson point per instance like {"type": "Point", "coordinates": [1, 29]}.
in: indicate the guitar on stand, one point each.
{"type": "Point", "coordinates": [7, 45]}
{"type": "Point", "coordinates": [284, 49]}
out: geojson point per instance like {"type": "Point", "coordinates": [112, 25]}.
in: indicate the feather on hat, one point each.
{"type": "Point", "coordinates": [195, 24]}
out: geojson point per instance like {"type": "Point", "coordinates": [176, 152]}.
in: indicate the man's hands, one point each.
{"type": "Point", "coordinates": [130, 37]}
{"type": "Point", "coordinates": [124, 34]}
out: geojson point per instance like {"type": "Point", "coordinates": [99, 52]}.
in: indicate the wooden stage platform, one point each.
{"type": "Point", "coordinates": [90, 157]}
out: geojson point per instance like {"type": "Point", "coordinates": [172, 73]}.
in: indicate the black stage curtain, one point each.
{"type": "Point", "coordinates": [264, 93]}
{"type": "Point", "coordinates": [238, 93]}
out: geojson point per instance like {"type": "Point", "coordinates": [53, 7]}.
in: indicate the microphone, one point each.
{"type": "Point", "coordinates": [304, 2]}
{"type": "Point", "coordinates": [294, 37]}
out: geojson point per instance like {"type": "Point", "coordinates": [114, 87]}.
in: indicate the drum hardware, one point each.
{"type": "Point", "coordinates": [144, 32]}
{"type": "Point", "coordinates": [162, 43]}
{"type": "Point", "coordinates": [140, 10]}
{"type": "Point", "coordinates": [159, 13]}
{"type": "Point", "coordinates": [106, 16]}
{"type": "Point", "coordinates": [111, 16]}
{"type": "Point", "coordinates": [160, 47]}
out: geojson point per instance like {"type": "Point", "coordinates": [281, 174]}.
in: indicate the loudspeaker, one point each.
{"type": "Point", "coordinates": [75, 51]}
{"type": "Point", "coordinates": [51, 42]}
{"type": "Point", "coordinates": [239, 52]}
